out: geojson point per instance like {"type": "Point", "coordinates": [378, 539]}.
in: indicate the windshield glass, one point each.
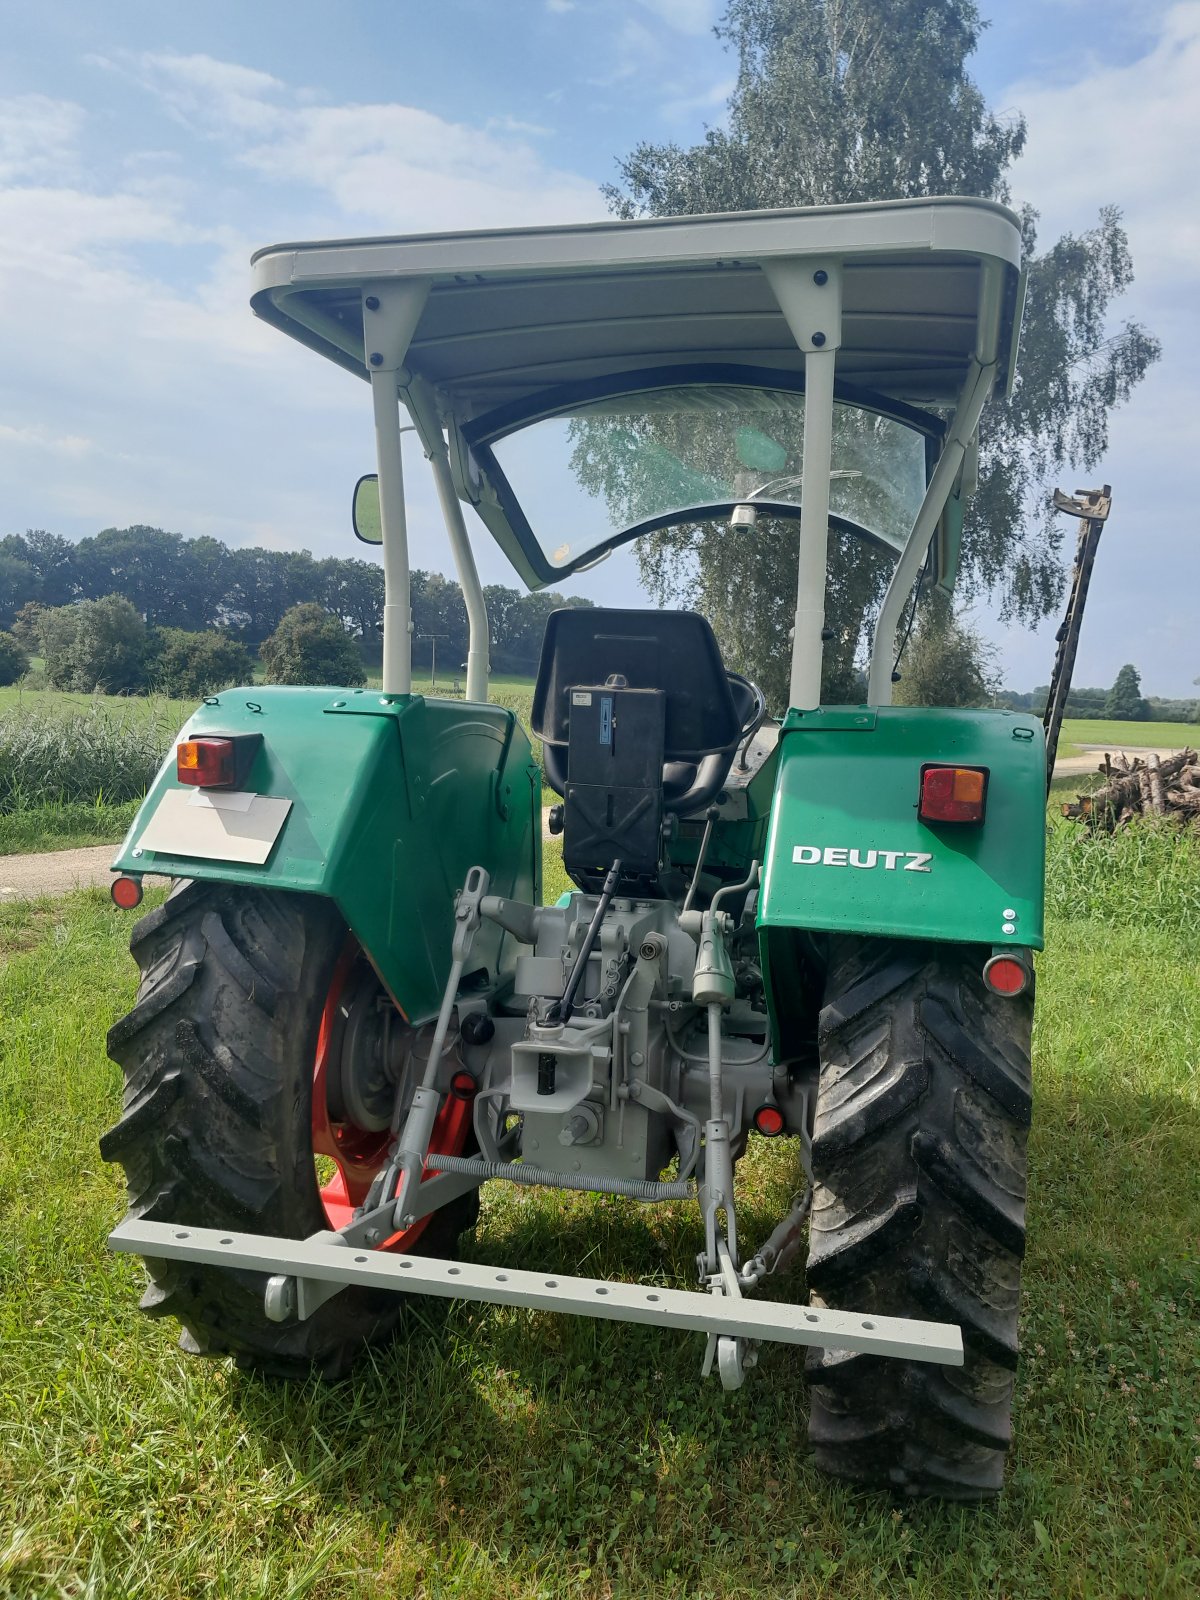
{"type": "Point", "coordinates": [583, 477]}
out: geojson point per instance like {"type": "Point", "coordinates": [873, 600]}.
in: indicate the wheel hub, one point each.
{"type": "Point", "coordinates": [367, 1055]}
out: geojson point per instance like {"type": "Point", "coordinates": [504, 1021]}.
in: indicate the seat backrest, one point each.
{"type": "Point", "coordinates": [675, 651]}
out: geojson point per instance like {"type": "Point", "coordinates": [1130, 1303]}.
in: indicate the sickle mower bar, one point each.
{"type": "Point", "coordinates": [325, 1259]}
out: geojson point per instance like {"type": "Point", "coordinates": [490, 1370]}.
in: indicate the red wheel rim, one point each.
{"type": "Point", "coordinates": [359, 1153]}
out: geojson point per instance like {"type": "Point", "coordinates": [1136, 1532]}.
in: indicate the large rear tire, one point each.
{"type": "Point", "coordinates": [219, 1055]}
{"type": "Point", "coordinates": [919, 1158]}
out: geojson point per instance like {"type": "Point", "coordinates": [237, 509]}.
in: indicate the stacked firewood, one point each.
{"type": "Point", "coordinates": [1166, 787]}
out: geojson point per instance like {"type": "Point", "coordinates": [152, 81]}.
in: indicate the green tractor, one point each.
{"type": "Point", "coordinates": [354, 1008]}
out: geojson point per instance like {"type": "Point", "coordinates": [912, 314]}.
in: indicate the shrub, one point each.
{"type": "Point", "coordinates": [14, 661]}
{"type": "Point", "coordinates": [96, 645]}
{"type": "Point", "coordinates": [191, 665]}
{"type": "Point", "coordinates": [311, 646]}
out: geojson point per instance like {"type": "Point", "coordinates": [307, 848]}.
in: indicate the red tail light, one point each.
{"type": "Point", "coordinates": [206, 763]}
{"type": "Point", "coordinates": [126, 892]}
{"type": "Point", "coordinates": [952, 794]}
{"type": "Point", "coordinates": [769, 1120]}
{"type": "Point", "coordinates": [1006, 975]}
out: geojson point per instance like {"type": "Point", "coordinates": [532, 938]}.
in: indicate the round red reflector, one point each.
{"type": "Point", "coordinates": [769, 1120]}
{"type": "Point", "coordinates": [126, 893]}
{"type": "Point", "coordinates": [1006, 975]}
{"type": "Point", "coordinates": [463, 1086]}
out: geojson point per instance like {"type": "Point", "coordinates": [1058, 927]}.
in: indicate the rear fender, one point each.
{"type": "Point", "coordinates": [846, 853]}
{"type": "Point", "coordinates": [390, 802]}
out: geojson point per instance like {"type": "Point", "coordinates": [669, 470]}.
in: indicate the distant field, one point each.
{"type": "Point", "coordinates": [59, 703]}
{"type": "Point", "coordinates": [1114, 736]}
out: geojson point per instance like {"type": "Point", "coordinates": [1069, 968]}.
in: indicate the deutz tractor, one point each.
{"type": "Point", "coordinates": [355, 1009]}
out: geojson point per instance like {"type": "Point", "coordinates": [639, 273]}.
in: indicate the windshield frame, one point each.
{"type": "Point", "coordinates": [480, 462]}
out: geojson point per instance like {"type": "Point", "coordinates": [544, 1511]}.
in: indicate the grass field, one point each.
{"type": "Point", "coordinates": [1078, 734]}
{"type": "Point", "coordinates": [504, 1454]}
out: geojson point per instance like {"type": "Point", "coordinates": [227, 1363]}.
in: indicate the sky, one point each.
{"type": "Point", "coordinates": [146, 148]}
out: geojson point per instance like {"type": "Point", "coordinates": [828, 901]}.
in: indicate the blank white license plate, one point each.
{"type": "Point", "coordinates": [217, 825]}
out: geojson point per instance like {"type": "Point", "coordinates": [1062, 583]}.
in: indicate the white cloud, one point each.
{"type": "Point", "coordinates": [203, 90]}
{"type": "Point", "coordinates": [715, 97]}
{"type": "Point", "coordinates": [135, 384]}
{"type": "Point", "coordinates": [42, 439]}
{"type": "Point", "coordinates": [38, 136]}
{"type": "Point", "coordinates": [688, 16]}
{"type": "Point", "coordinates": [1126, 134]}
{"type": "Point", "coordinates": [388, 165]}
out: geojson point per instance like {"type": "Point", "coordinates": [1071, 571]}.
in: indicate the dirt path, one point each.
{"type": "Point", "coordinates": [1073, 766]}
{"type": "Point", "coordinates": [55, 872]}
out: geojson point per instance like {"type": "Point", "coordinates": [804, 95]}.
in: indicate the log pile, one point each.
{"type": "Point", "coordinates": [1169, 787]}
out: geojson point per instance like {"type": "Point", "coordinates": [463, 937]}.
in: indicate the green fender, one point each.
{"type": "Point", "coordinates": [392, 801]}
{"type": "Point", "coordinates": [846, 853]}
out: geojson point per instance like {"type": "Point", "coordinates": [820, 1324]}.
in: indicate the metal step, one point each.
{"type": "Point", "coordinates": [325, 1259]}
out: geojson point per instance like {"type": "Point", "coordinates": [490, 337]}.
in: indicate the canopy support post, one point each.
{"type": "Point", "coordinates": [468, 574]}
{"type": "Point", "coordinates": [390, 315]}
{"type": "Point", "coordinates": [809, 293]}
{"type": "Point", "coordinates": [972, 398]}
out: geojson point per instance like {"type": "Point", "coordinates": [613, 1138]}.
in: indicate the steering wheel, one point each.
{"type": "Point", "coordinates": [752, 719]}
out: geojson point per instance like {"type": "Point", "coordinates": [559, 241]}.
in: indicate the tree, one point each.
{"type": "Point", "coordinates": [353, 591]}
{"type": "Point", "coordinates": [26, 625]}
{"type": "Point", "coordinates": [946, 663]}
{"type": "Point", "coordinates": [95, 645]}
{"type": "Point", "coordinates": [190, 665]}
{"type": "Point", "coordinates": [852, 100]}
{"type": "Point", "coordinates": [18, 585]}
{"type": "Point", "coordinates": [310, 645]}
{"type": "Point", "coordinates": [14, 661]}
{"type": "Point", "coordinates": [50, 558]}
{"type": "Point", "coordinates": [1125, 703]}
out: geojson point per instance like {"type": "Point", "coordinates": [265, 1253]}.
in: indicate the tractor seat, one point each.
{"type": "Point", "coordinates": [706, 708]}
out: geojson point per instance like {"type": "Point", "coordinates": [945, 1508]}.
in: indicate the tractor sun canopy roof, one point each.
{"type": "Point", "coordinates": [599, 380]}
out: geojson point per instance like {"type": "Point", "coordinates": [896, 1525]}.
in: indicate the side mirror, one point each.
{"type": "Point", "coordinates": [368, 524]}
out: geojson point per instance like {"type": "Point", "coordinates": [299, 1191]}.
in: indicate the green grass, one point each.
{"type": "Point", "coordinates": [1078, 734]}
{"type": "Point", "coordinates": [504, 1454]}
{"type": "Point", "coordinates": [63, 825]}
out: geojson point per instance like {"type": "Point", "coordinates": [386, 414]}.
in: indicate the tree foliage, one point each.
{"type": "Point", "coordinates": [945, 663]}
{"type": "Point", "coordinates": [855, 100]}
{"type": "Point", "coordinates": [311, 646]}
{"type": "Point", "coordinates": [14, 658]}
{"type": "Point", "coordinates": [96, 645]}
{"type": "Point", "coordinates": [1125, 703]}
{"type": "Point", "coordinates": [191, 665]}
{"type": "Point", "coordinates": [194, 584]}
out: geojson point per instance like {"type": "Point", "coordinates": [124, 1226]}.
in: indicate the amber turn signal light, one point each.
{"type": "Point", "coordinates": [205, 763]}
{"type": "Point", "coordinates": [952, 794]}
